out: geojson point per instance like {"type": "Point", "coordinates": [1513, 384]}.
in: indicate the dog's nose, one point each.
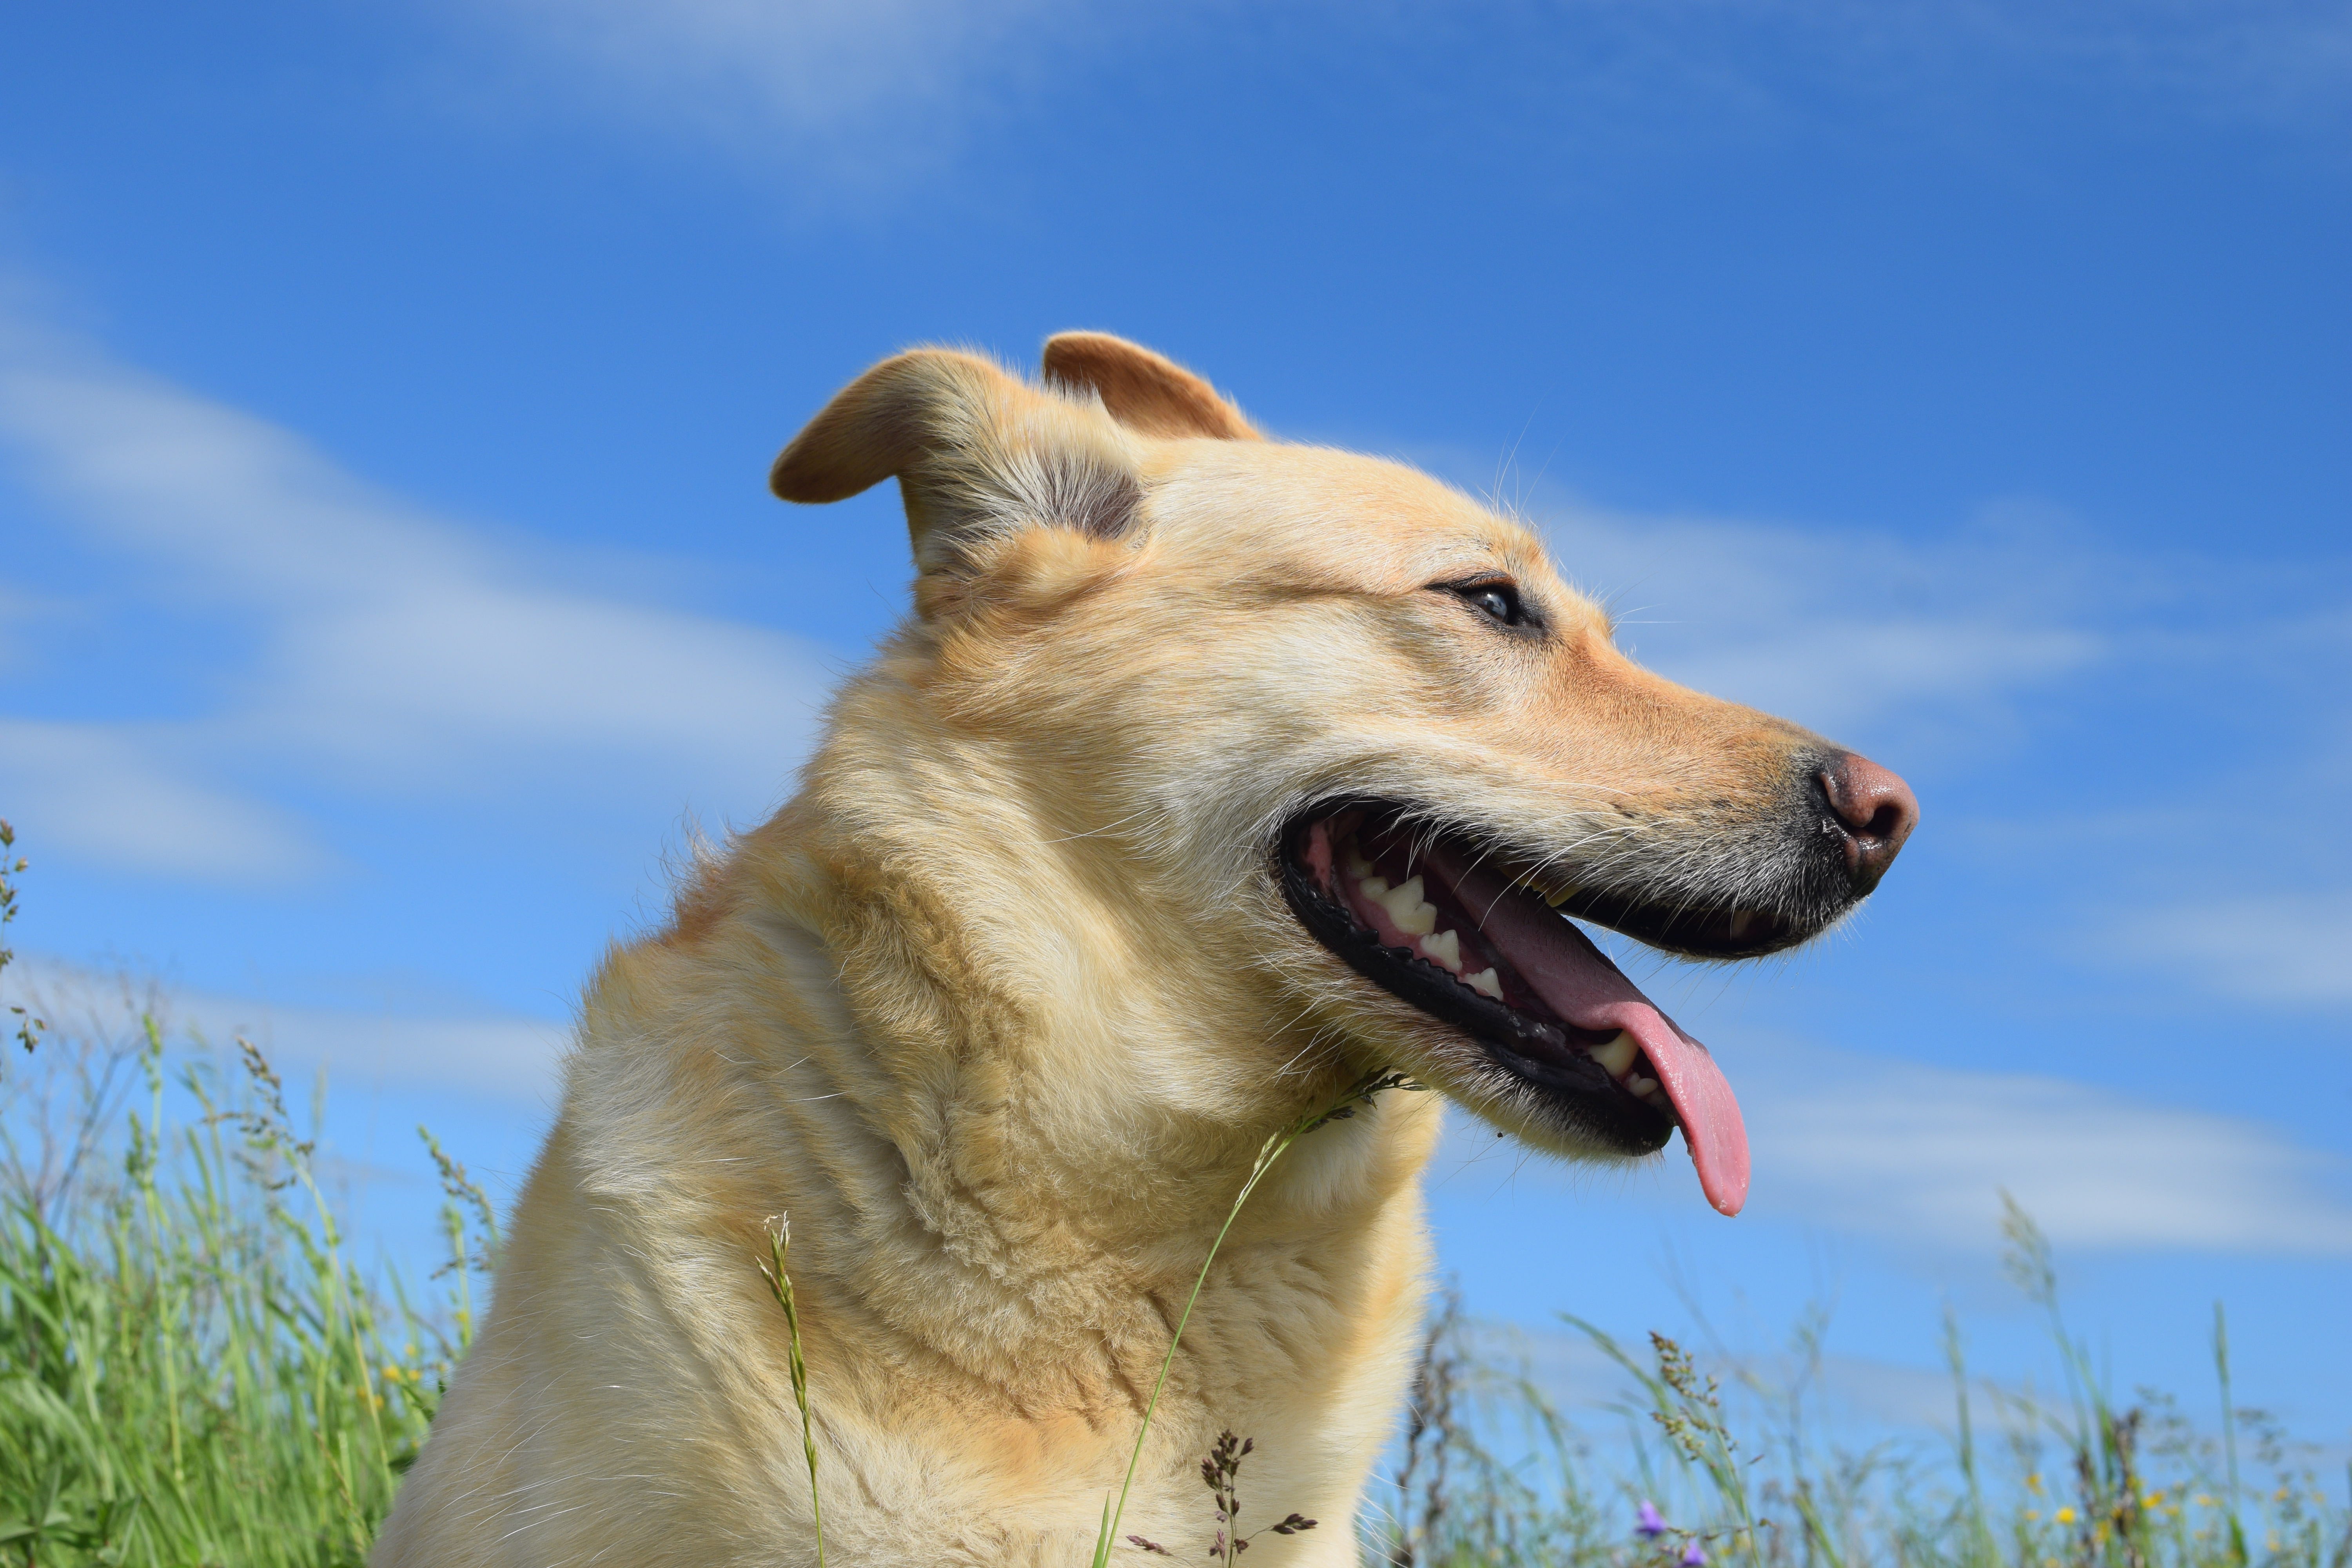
{"type": "Point", "coordinates": [1873, 810]}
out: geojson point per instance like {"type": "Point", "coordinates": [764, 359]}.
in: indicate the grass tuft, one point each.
{"type": "Point", "coordinates": [191, 1371]}
{"type": "Point", "coordinates": [1493, 1475]}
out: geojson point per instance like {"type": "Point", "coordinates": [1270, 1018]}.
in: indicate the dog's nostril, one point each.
{"type": "Point", "coordinates": [1874, 809]}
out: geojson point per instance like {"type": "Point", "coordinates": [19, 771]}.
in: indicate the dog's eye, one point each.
{"type": "Point", "coordinates": [1498, 601]}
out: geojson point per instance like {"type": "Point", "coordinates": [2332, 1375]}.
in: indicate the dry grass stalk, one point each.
{"type": "Point", "coordinates": [780, 1285]}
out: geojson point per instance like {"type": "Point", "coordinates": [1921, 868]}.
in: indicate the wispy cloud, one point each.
{"type": "Point", "coordinates": [1856, 1393]}
{"type": "Point", "coordinates": [128, 794]}
{"type": "Point", "coordinates": [388, 648]}
{"type": "Point", "coordinates": [1914, 1154]}
{"type": "Point", "coordinates": [892, 87]}
{"type": "Point", "coordinates": [1918, 1156]}
{"type": "Point", "coordinates": [1842, 633]}
{"type": "Point", "coordinates": [873, 88]}
{"type": "Point", "coordinates": [509, 1060]}
{"type": "Point", "coordinates": [2287, 948]}
{"type": "Point", "coordinates": [1864, 635]}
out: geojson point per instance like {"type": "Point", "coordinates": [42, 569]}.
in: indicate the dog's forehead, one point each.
{"type": "Point", "coordinates": [1372, 521]}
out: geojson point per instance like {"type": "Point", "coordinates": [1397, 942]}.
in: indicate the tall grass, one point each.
{"type": "Point", "coordinates": [191, 1369]}
{"type": "Point", "coordinates": [1493, 1474]}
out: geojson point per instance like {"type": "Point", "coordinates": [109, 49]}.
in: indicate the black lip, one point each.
{"type": "Point", "coordinates": [1691, 932]}
{"type": "Point", "coordinates": [1546, 1054]}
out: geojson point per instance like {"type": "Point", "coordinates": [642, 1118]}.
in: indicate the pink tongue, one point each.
{"type": "Point", "coordinates": [1581, 984]}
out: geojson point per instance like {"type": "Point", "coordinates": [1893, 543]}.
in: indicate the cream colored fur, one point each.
{"type": "Point", "coordinates": [1001, 1006]}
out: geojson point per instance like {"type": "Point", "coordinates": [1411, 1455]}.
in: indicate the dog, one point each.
{"type": "Point", "coordinates": [1211, 777]}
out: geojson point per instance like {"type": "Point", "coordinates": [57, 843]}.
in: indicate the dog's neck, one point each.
{"type": "Point", "coordinates": [1015, 1110]}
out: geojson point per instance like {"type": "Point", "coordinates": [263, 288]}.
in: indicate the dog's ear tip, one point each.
{"type": "Point", "coordinates": [1072, 348]}
{"type": "Point", "coordinates": [785, 480]}
{"type": "Point", "coordinates": [1148, 393]}
{"type": "Point", "coordinates": [805, 473]}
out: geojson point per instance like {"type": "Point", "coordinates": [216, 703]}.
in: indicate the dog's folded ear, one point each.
{"type": "Point", "coordinates": [1148, 395]}
{"type": "Point", "coordinates": [978, 454]}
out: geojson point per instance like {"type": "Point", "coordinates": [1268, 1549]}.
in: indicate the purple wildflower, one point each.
{"type": "Point", "coordinates": [1693, 1556]}
{"type": "Point", "coordinates": [1648, 1523]}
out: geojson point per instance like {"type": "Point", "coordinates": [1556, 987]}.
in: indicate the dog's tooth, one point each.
{"type": "Point", "coordinates": [1405, 906]}
{"type": "Point", "coordinates": [1445, 948]}
{"type": "Point", "coordinates": [1485, 984]}
{"type": "Point", "coordinates": [1618, 1056]}
{"type": "Point", "coordinates": [1559, 896]}
{"type": "Point", "coordinates": [1372, 887]}
{"type": "Point", "coordinates": [1740, 920]}
{"type": "Point", "coordinates": [1357, 865]}
{"type": "Point", "coordinates": [1644, 1087]}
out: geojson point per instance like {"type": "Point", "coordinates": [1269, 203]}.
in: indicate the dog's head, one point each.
{"type": "Point", "coordinates": [1349, 734]}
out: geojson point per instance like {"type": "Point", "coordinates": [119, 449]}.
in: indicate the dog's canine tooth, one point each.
{"type": "Point", "coordinates": [1618, 1056]}
{"type": "Point", "coordinates": [1485, 984]}
{"type": "Point", "coordinates": [1445, 948]}
{"type": "Point", "coordinates": [1557, 896]}
{"type": "Point", "coordinates": [1372, 887]}
{"type": "Point", "coordinates": [1404, 904]}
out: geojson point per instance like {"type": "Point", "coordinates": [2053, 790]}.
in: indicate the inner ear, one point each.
{"type": "Point", "coordinates": [1147, 393]}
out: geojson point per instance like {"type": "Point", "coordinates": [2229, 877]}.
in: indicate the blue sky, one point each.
{"type": "Point", "coordinates": [388, 584]}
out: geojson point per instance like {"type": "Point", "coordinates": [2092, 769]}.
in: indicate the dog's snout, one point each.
{"type": "Point", "coordinates": [1872, 810]}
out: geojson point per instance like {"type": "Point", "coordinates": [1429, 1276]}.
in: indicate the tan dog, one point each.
{"type": "Point", "coordinates": [1209, 775]}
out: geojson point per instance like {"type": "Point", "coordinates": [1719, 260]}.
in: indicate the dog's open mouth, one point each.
{"type": "Point", "coordinates": [1462, 935]}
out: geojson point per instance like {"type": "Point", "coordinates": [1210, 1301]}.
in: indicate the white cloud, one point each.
{"type": "Point", "coordinates": [1920, 1154]}
{"type": "Point", "coordinates": [876, 85]}
{"type": "Point", "coordinates": [1841, 633]}
{"type": "Point", "coordinates": [886, 87]}
{"type": "Point", "coordinates": [1848, 1390]}
{"type": "Point", "coordinates": [394, 649]}
{"type": "Point", "coordinates": [2282, 950]}
{"type": "Point", "coordinates": [507, 1059]}
{"type": "Point", "coordinates": [503, 1059]}
{"type": "Point", "coordinates": [1854, 633]}
{"type": "Point", "coordinates": [118, 792]}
